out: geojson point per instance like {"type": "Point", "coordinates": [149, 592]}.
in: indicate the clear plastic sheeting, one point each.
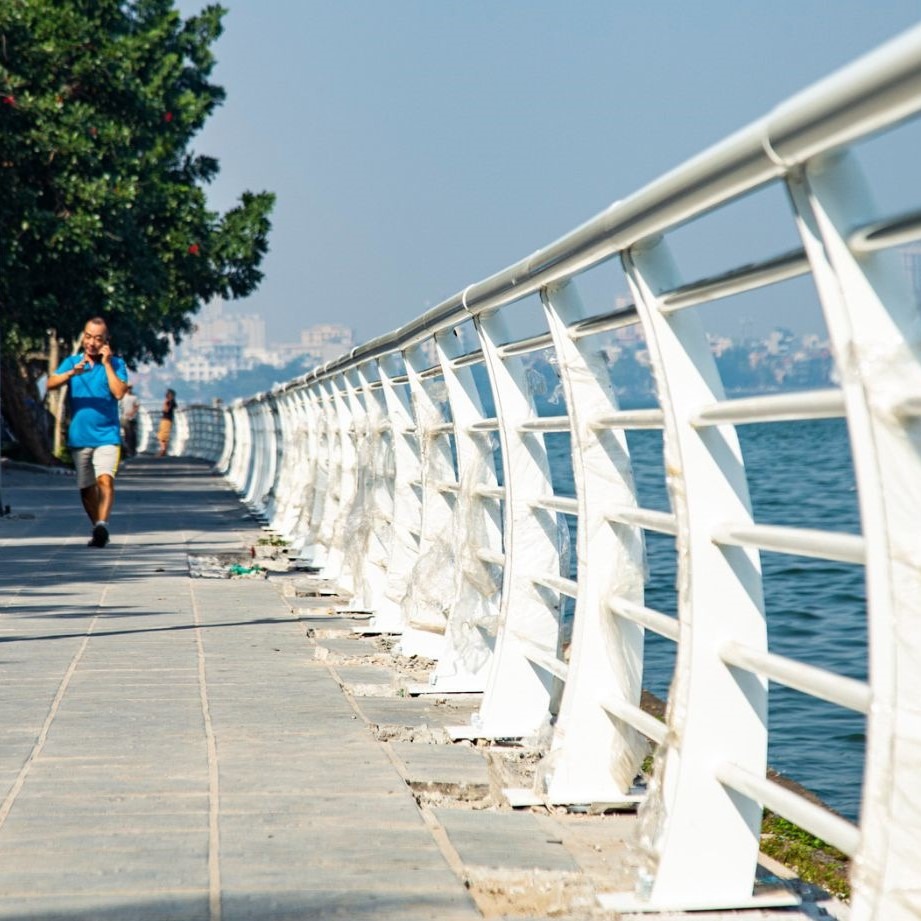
{"type": "Point", "coordinates": [431, 591]}
{"type": "Point", "coordinates": [364, 516]}
{"type": "Point", "coordinates": [471, 530]}
{"type": "Point", "coordinates": [474, 621]}
{"type": "Point", "coordinates": [428, 601]}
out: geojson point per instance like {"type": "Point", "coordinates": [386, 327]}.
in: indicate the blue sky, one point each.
{"type": "Point", "coordinates": [417, 146]}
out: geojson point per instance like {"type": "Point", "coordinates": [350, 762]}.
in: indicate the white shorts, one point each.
{"type": "Point", "coordinates": [92, 463]}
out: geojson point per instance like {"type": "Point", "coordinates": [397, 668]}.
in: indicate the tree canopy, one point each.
{"type": "Point", "coordinates": [102, 200]}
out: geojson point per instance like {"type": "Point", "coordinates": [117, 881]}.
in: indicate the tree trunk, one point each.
{"type": "Point", "coordinates": [24, 412]}
{"type": "Point", "coordinates": [55, 399]}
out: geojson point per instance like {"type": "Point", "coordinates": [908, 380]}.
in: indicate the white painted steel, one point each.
{"type": "Point", "coordinates": [650, 519]}
{"type": "Point", "coordinates": [821, 822]}
{"type": "Point", "coordinates": [783, 268]}
{"type": "Point", "coordinates": [845, 692]}
{"type": "Point", "coordinates": [372, 438]}
{"type": "Point", "coordinates": [544, 660]}
{"type": "Point", "coordinates": [517, 698]}
{"type": "Point", "coordinates": [466, 656]}
{"type": "Point", "coordinates": [629, 419]}
{"type": "Point", "coordinates": [432, 590]}
{"type": "Point", "coordinates": [824, 545]}
{"type": "Point", "coordinates": [604, 653]}
{"type": "Point", "coordinates": [568, 587]}
{"type": "Point", "coordinates": [875, 327]}
{"type": "Point", "coordinates": [811, 404]}
{"type": "Point", "coordinates": [639, 719]}
{"type": "Point", "coordinates": [660, 623]}
{"type": "Point", "coordinates": [723, 716]}
{"type": "Point", "coordinates": [407, 503]}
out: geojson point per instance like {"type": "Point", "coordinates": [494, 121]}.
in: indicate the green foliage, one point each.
{"type": "Point", "coordinates": [102, 202]}
{"type": "Point", "coordinates": [810, 857]}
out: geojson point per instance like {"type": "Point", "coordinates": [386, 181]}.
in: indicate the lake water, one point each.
{"type": "Point", "coordinates": [800, 474]}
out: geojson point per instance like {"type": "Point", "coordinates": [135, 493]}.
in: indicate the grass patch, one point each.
{"type": "Point", "coordinates": [809, 857]}
{"type": "Point", "coordinates": [272, 542]}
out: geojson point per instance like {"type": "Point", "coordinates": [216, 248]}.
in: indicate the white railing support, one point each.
{"type": "Point", "coordinates": [875, 328]}
{"type": "Point", "coordinates": [713, 714]}
{"type": "Point", "coordinates": [518, 693]}
{"type": "Point", "coordinates": [606, 653]}
{"type": "Point", "coordinates": [466, 655]}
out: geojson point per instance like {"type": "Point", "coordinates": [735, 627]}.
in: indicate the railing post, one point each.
{"type": "Point", "coordinates": [344, 484]}
{"type": "Point", "coordinates": [357, 519]}
{"type": "Point", "coordinates": [431, 585]}
{"type": "Point", "coordinates": [700, 840]}
{"type": "Point", "coordinates": [375, 453]}
{"type": "Point", "coordinates": [243, 452]}
{"type": "Point", "coordinates": [516, 702]}
{"type": "Point", "coordinates": [228, 439]}
{"type": "Point", "coordinates": [466, 656]}
{"type": "Point", "coordinates": [290, 483]}
{"type": "Point", "coordinates": [407, 504]}
{"type": "Point", "coordinates": [875, 328]}
{"type": "Point", "coordinates": [327, 496]}
{"type": "Point", "coordinates": [310, 522]}
{"type": "Point", "coordinates": [595, 758]}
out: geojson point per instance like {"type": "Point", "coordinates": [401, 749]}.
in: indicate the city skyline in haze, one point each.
{"type": "Point", "coordinates": [417, 147]}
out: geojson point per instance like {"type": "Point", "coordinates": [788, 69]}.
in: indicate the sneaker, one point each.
{"type": "Point", "coordinates": [100, 536]}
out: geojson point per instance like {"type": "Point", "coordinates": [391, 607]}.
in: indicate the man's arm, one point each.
{"type": "Point", "coordinates": [59, 380]}
{"type": "Point", "coordinates": [117, 386]}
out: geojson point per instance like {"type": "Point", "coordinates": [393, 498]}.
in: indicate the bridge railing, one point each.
{"type": "Point", "coordinates": [420, 473]}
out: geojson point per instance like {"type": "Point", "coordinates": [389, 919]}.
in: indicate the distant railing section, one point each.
{"type": "Point", "coordinates": [415, 472]}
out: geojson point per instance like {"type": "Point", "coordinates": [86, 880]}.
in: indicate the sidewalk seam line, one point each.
{"type": "Point", "coordinates": [214, 796]}
{"type": "Point", "coordinates": [436, 829]}
{"type": "Point", "coordinates": [20, 781]}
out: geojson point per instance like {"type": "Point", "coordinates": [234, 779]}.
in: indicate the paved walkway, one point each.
{"type": "Point", "coordinates": [176, 749]}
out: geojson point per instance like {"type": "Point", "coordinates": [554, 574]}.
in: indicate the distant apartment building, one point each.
{"type": "Point", "coordinates": [326, 341]}
{"type": "Point", "coordinates": [221, 344]}
{"type": "Point", "coordinates": [226, 343]}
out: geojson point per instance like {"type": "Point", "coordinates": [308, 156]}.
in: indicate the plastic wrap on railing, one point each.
{"type": "Point", "coordinates": [430, 595]}
{"type": "Point", "coordinates": [364, 516]}
{"type": "Point", "coordinates": [431, 591]}
{"type": "Point", "coordinates": [476, 613]}
{"type": "Point", "coordinates": [471, 532]}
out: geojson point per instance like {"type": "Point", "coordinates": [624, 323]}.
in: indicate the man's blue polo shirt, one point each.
{"type": "Point", "coordinates": [93, 408]}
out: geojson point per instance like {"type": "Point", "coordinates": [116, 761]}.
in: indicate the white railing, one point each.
{"type": "Point", "coordinates": [414, 472]}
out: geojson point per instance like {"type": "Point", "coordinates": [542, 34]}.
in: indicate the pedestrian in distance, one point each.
{"type": "Point", "coordinates": [128, 407]}
{"type": "Point", "coordinates": [166, 421]}
{"type": "Point", "coordinates": [97, 380]}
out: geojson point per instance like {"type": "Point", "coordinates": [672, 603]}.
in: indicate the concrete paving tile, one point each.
{"type": "Point", "coordinates": [364, 809]}
{"type": "Point", "coordinates": [348, 646]}
{"type": "Point", "coordinates": [366, 674]}
{"type": "Point", "coordinates": [507, 839]}
{"type": "Point", "coordinates": [419, 711]}
{"type": "Point", "coordinates": [442, 764]}
{"type": "Point", "coordinates": [353, 905]}
{"type": "Point", "coordinates": [190, 905]}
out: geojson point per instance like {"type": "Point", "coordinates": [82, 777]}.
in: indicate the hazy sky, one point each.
{"type": "Point", "coordinates": [417, 146]}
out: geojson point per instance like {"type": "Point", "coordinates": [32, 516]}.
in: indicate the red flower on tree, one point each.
{"type": "Point", "coordinates": [194, 249]}
{"type": "Point", "coordinates": [167, 116]}
{"type": "Point", "coordinates": [8, 101]}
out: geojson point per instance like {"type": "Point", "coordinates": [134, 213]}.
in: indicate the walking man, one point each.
{"type": "Point", "coordinates": [98, 380]}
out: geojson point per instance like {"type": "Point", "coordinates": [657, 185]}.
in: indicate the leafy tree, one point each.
{"type": "Point", "coordinates": [102, 201]}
